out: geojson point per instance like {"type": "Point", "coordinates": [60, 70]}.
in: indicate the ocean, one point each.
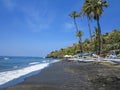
{"type": "Point", "coordinates": [15, 69]}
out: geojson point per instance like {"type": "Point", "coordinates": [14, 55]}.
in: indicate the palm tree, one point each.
{"type": "Point", "coordinates": [95, 39]}
{"type": "Point", "coordinates": [95, 9]}
{"type": "Point", "coordinates": [74, 15]}
{"type": "Point", "coordinates": [98, 10]}
{"type": "Point", "coordinates": [79, 34]}
{"type": "Point", "coordinates": [86, 11]}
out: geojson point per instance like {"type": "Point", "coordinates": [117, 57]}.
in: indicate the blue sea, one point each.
{"type": "Point", "coordinates": [14, 69]}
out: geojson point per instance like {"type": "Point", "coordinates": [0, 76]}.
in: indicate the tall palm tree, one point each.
{"type": "Point", "coordinates": [74, 15]}
{"type": "Point", "coordinates": [86, 11]}
{"type": "Point", "coordinates": [95, 36]}
{"type": "Point", "coordinates": [95, 9]}
{"type": "Point", "coordinates": [79, 34]}
{"type": "Point", "coordinates": [98, 10]}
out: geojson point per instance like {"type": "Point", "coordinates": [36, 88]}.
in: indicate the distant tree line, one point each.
{"type": "Point", "coordinates": [92, 9]}
{"type": "Point", "coordinates": [110, 41]}
{"type": "Point", "coordinates": [98, 42]}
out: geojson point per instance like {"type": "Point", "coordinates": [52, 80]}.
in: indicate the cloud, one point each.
{"type": "Point", "coordinates": [9, 4]}
{"type": "Point", "coordinates": [69, 26]}
{"type": "Point", "coordinates": [38, 20]}
{"type": "Point", "coordinates": [37, 26]}
{"type": "Point", "coordinates": [35, 17]}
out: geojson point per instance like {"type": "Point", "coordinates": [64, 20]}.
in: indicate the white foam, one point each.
{"type": "Point", "coordinates": [57, 60]}
{"type": "Point", "coordinates": [34, 63]}
{"type": "Point", "coordinates": [15, 67]}
{"type": "Point", "coordinates": [6, 58]}
{"type": "Point", "coordinates": [44, 61]}
{"type": "Point", "coordinates": [11, 75]}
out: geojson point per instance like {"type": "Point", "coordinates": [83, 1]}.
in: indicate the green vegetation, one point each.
{"type": "Point", "coordinates": [111, 41]}
{"type": "Point", "coordinates": [94, 9]}
{"type": "Point", "coordinates": [102, 44]}
{"type": "Point", "coordinates": [79, 33]}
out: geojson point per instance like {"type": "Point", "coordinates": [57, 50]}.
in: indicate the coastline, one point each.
{"type": "Point", "coordinates": [65, 75]}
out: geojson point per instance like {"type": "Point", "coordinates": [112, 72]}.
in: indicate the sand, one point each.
{"type": "Point", "coordinates": [65, 75]}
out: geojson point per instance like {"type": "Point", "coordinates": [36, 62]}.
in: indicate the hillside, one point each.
{"type": "Point", "coordinates": [110, 41]}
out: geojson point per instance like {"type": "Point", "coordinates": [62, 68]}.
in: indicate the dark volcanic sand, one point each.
{"type": "Point", "coordinates": [66, 75]}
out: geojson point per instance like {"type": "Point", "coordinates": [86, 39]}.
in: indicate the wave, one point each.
{"type": "Point", "coordinates": [56, 60]}
{"type": "Point", "coordinates": [7, 76]}
{"type": "Point", "coordinates": [15, 66]}
{"type": "Point", "coordinates": [4, 58]}
{"type": "Point", "coordinates": [33, 63]}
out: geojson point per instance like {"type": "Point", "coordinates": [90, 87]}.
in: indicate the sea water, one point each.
{"type": "Point", "coordinates": [14, 69]}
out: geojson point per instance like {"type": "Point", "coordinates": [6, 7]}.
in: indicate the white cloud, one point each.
{"type": "Point", "coordinates": [69, 26]}
{"type": "Point", "coordinates": [37, 26]}
{"type": "Point", "coordinates": [38, 20]}
{"type": "Point", "coordinates": [9, 4]}
{"type": "Point", "coordinates": [35, 18]}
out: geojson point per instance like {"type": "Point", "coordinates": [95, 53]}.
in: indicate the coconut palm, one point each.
{"type": "Point", "coordinates": [79, 34]}
{"type": "Point", "coordinates": [74, 15]}
{"type": "Point", "coordinates": [95, 36]}
{"type": "Point", "coordinates": [98, 10]}
{"type": "Point", "coordinates": [95, 9]}
{"type": "Point", "coordinates": [86, 11]}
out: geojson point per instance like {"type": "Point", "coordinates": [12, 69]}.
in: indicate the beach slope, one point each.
{"type": "Point", "coordinates": [66, 75]}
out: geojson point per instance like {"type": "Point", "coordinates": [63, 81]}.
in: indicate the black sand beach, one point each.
{"type": "Point", "coordinates": [66, 75]}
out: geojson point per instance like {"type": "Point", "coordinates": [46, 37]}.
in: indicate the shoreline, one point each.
{"type": "Point", "coordinates": [65, 75]}
{"type": "Point", "coordinates": [16, 76]}
{"type": "Point", "coordinates": [13, 76]}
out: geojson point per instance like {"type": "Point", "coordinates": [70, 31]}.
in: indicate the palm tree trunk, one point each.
{"type": "Point", "coordinates": [80, 43]}
{"type": "Point", "coordinates": [80, 39]}
{"type": "Point", "coordinates": [99, 37]}
{"type": "Point", "coordinates": [89, 28]}
{"type": "Point", "coordinates": [75, 24]}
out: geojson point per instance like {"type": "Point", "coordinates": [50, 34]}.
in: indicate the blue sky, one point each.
{"type": "Point", "coordinates": [36, 27]}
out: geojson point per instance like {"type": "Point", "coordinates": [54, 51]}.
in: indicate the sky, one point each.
{"type": "Point", "coordinates": [37, 27]}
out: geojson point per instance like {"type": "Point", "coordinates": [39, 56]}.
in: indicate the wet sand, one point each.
{"type": "Point", "coordinates": [71, 75]}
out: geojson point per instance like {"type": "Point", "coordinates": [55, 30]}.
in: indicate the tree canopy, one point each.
{"type": "Point", "coordinates": [111, 41]}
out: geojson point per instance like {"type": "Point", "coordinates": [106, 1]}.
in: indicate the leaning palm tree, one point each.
{"type": "Point", "coordinates": [74, 15]}
{"type": "Point", "coordinates": [79, 34]}
{"type": "Point", "coordinates": [86, 11]}
{"type": "Point", "coordinates": [95, 9]}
